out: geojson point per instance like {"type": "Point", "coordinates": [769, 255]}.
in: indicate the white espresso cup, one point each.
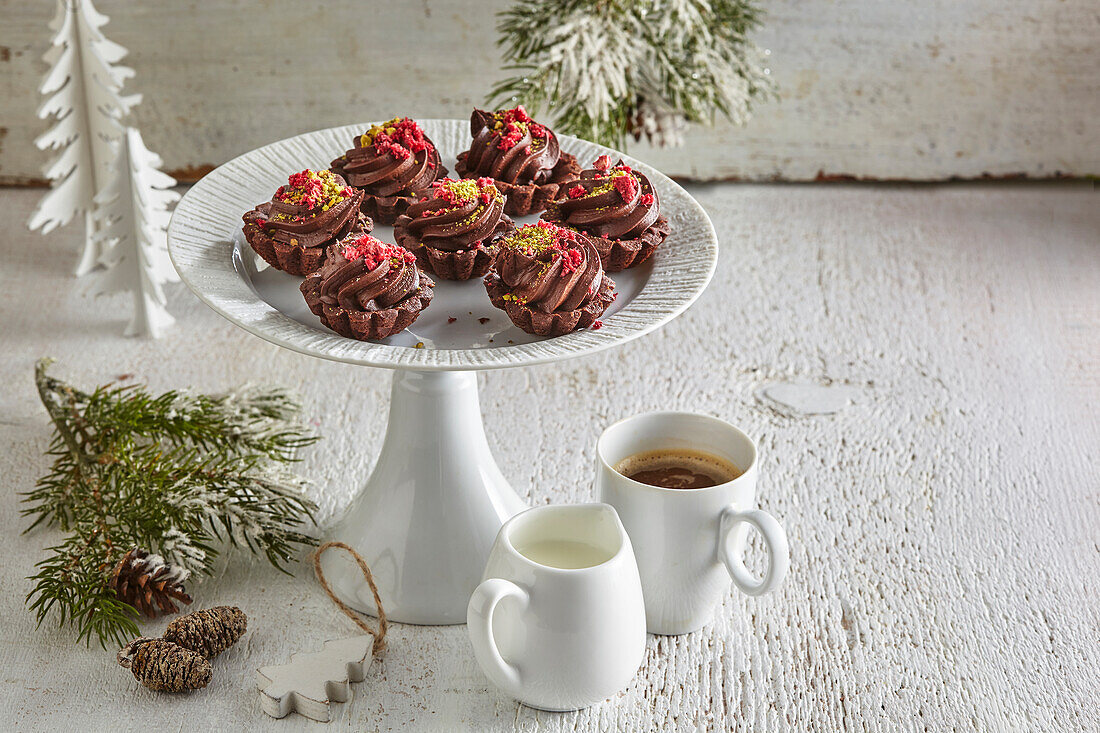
{"type": "Point", "coordinates": [558, 621]}
{"type": "Point", "coordinates": [689, 543]}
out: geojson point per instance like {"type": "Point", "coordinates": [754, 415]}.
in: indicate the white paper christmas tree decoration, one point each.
{"type": "Point", "coordinates": [83, 90]}
{"type": "Point", "coordinates": [132, 214]}
{"type": "Point", "coordinates": [311, 682]}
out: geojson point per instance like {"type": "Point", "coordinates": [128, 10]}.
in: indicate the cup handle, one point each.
{"type": "Point", "coordinates": [775, 541]}
{"type": "Point", "coordinates": [479, 622]}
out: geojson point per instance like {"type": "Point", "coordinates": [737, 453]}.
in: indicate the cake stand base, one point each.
{"type": "Point", "coordinates": [431, 509]}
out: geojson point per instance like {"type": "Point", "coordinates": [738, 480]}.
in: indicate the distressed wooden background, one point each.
{"type": "Point", "coordinates": [921, 366]}
{"type": "Point", "coordinates": [931, 89]}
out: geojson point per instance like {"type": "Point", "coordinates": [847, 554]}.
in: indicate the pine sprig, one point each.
{"type": "Point", "coordinates": [176, 474]}
{"type": "Point", "coordinates": [609, 68]}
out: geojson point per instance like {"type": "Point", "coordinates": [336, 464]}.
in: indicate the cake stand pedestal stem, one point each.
{"type": "Point", "coordinates": [432, 507]}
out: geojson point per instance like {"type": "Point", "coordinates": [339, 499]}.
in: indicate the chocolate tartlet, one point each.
{"type": "Point", "coordinates": [521, 155]}
{"type": "Point", "coordinates": [549, 280]}
{"type": "Point", "coordinates": [394, 164]}
{"type": "Point", "coordinates": [454, 233]}
{"type": "Point", "coordinates": [618, 207]}
{"type": "Point", "coordinates": [368, 289]}
{"type": "Point", "coordinates": [293, 231]}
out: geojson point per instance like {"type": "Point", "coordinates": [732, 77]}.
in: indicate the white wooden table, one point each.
{"type": "Point", "coordinates": [921, 365]}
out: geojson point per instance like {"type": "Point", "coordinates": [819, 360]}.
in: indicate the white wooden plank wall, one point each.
{"type": "Point", "coordinates": [930, 89]}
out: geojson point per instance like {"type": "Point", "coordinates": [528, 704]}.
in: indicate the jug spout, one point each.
{"type": "Point", "coordinates": [567, 536]}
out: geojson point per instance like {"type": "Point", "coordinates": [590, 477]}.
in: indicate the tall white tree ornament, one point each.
{"type": "Point", "coordinates": [132, 215]}
{"type": "Point", "coordinates": [83, 94]}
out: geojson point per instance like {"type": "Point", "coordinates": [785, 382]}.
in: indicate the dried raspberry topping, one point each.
{"type": "Point", "coordinates": [597, 325]}
{"type": "Point", "coordinates": [627, 186]}
{"type": "Point", "coordinates": [462, 192]}
{"type": "Point", "coordinates": [571, 259]}
{"type": "Point", "coordinates": [543, 236]}
{"type": "Point", "coordinates": [400, 137]}
{"type": "Point", "coordinates": [621, 178]}
{"type": "Point", "coordinates": [510, 137]}
{"type": "Point", "coordinates": [602, 163]}
{"type": "Point", "coordinates": [312, 189]}
{"type": "Point", "coordinates": [374, 251]}
{"type": "Point", "coordinates": [512, 125]}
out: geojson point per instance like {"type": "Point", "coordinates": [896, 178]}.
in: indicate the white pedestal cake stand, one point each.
{"type": "Point", "coordinates": [433, 504]}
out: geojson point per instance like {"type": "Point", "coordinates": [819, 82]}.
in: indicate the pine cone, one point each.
{"type": "Point", "coordinates": [148, 583]}
{"type": "Point", "coordinates": [163, 666]}
{"type": "Point", "coordinates": [208, 632]}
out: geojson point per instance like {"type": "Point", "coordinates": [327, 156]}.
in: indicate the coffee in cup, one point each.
{"type": "Point", "coordinates": [684, 486]}
{"type": "Point", "coordinates": [678, 469]}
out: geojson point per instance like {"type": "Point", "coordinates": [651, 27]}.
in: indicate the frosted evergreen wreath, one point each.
{"type": "Point", "coordinates": [608, 68]}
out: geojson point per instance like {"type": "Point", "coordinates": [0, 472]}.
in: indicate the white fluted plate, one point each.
{"type": "Point", "coordinates": [460, 329]}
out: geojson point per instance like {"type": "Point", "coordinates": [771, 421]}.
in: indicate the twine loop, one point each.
{"type": "Point", "coordinates": [379, 634]}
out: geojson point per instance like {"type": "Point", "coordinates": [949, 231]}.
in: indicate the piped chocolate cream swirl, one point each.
{"type": "Point", "coordinates": [368, 289]}
{"type": "Point", "coordinates": [395, 158]}
{"type": "Point", "coordinates": [511, 147]}
{"type": "Point", "coordinates": [618, 207]}
{"type": "Point", "coordinates": [453, 234]}
{"type": "Point", "coordinates": [615, 202]}
{"type": "Point", "coordinates": [314, 208]}
{"type": "Point", "coordinates": [551, 277]}
{"type": "Point", "coordinates": [460, 215]}
{"type": "Point", "coordinates": [292, 231]}
{"type": "Point", "coordinates": [548, 268]}
{"type": "Point", "coordinates": [549, 280]}
{"type": "Point", "coordinates": [364, 274]}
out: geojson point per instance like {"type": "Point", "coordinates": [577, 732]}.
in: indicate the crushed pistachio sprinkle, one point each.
{"type": "Point", "coordinates": [539, 237]}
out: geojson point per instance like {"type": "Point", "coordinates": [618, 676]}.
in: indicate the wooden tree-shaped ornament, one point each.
{"type": "Point", "coordinates": [83, 90]}
{"type": "Point", "coordinates": [132, 213]}
{"type": "Point", "coordinates": [310, 682]}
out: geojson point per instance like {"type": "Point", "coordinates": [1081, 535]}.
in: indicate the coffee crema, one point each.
{"type": "Point", "coordinates": [678, 469]}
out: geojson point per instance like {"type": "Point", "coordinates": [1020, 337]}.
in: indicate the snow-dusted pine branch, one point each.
{"type": "Point", "coordinates": [179, 474]}
{"type": "Point", "coordinates": [133, 212]}
{"type": "Point", "coordinates": [83, 95]}
{"type": "Point", "coordinates": [610, 68]}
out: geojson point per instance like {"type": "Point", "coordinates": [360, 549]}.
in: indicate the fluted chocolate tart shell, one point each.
{"type": "Point", "coordinates": [291, 258]}
{"type": "Point", "coordinates": [530, 198]}
{"type": "Point", "coordinates": [557, 323]}
{"type": "Point", "coordinates": [619, 254]}
{"type": "Point", "coordinates": [367, 325]}
{"type": "Point", "coordinates": [386, 209]}
{"type": "Point", "coordinates": [464, 265]}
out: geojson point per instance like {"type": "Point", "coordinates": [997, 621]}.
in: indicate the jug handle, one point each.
{"type": "Point", "coordinates": [479, 622]}
{"type": "Point", "coordinates": [775, 542]}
